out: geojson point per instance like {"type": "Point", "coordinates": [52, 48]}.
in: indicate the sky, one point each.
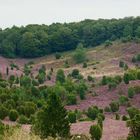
{"type": "Point", "coordinates": [24, 12]}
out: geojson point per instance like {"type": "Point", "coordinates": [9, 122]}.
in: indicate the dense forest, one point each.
{"type": "Point", "coordinates": [39, 40]}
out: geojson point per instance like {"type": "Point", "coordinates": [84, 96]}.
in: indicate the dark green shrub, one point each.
{"type": "Point", "coordinates": [131, 92]}
{"type": "Point", "coordinates": [2, 128]}
{"type": "Point", "coordinates": [107, 109]}
{"type": "Point", "coordinates": [13, 115]}
{"type": "Point", "coordinates": [3, 112]}
{"type": "Point", "coordinates": [125, 67]}
{"type": "Point", "coordinates": [72, 117]}
{"type": "Point", "coordinates": [21, 109]}
{"type": "Point", "coordinates": [102, 116]}
{"type": "Point", "coordinates": [23, 119]}
{"type": "Point", "coordinates": [124, 118]}
{"type": "Point", "coordinates": [114, 106]}
{"type": "Point", "coordinates": [57, 55]}
{"type": "Point", "coordinates": [79, 54]}
{"type": "Point", "coordinates": [126, 78]}
{"type": "Point", "coordinates": [112, 85]}
{"type": "Point", "coordinates": [29, 109]}
{"type": "Point", "coordinates": [92, 112]}
{"type": "Point", "coordinates": [84, 65]}
{"type": "Point", "coordinates": [123, 100]}
{"type": "Point", "coordinates": [35, 82]}
{"type": "Point", "coordinates": [117, 116]}
{"type": "Point", "coordinates": [60, 76]}
{"type": "Point", "coordinates": [90, 78]}
{"type": "Point", "coordinates": [75, 73]}
{"type": "Point", "coordinates": [71, 99]}
{"type": "Point", "coordinates": [104, 80]}
{"type": "Point", "coordinates": [41, 78]}
{"type": "Point", "coordinates": [121, 64]}
{"type": "Point", "coordinates": [108, 43]}
{"type": "Point", "coordinates": [95, 132]}
{"type": "Point", "coordinates": [100, 121]}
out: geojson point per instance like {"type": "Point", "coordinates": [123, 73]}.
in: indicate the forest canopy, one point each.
{"type": "Point", "coordinates": [39, 40]}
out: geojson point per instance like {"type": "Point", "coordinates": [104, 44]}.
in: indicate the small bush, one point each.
{"type": "Point", "coordinates": [13, 115]}
{"type": "Point", "coordinates": [123, 100]}
{"type": "Point", "coordinates": [131, 92]}
{"type": "Point", "coordinates": [107, 109]}
{"type": "Point", "coordinates": [117, 116]}
{"type": "Point", "coordinates": [114, 106]}
{"type": "Point", "coordinates": [75, 73]}
{"type": "Point", "coordinates": [23, 120]}
{"type": "Point", "coordinates": [90, 78]}
{"type": "Point", "coordinates": [72, 117]}
{"type": "Point", "coordinates": [3, 112]}
{"type": "Point", "coordinates": [84, 65]}
{"type": "Point", "coordinates": [71, 99]}
{"type": "Point", "coordinates": [57, 55]}
{"type": "Point", "coordinates": [92, 112]}
{"type": "Point", "coordinates": [96, 132]}
{"type": "Point", "coordinates": [124, 118]}
{"type": "Point", "coordinates": [121, 64]}
{"type": "Point", "coordinates": [112, 85]}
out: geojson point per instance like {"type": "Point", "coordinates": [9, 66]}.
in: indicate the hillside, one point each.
{"type": "Point", "coordinates": [26, 83]}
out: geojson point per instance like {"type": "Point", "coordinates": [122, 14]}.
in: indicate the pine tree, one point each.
{"type": "Point", "coordinates": [52, 120]}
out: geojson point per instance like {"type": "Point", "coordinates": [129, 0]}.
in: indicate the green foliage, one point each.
{"type": "Point", "coordinates": [117, 116]}
{"type": "Point", "coordinates": [71, 99]}
{"type": "Point", "coordinates": [124, 118]}
{"type": "Point", "coordinates": [126, 78]}
{"type": "Point", "coordinates": [114, 106]}
{"type": "Point", "coordinates": [121, 64]}
{"type": "Point", "coordinates": [2, 128]}
{"type": "Point", "coordinates": [3, 112]}
{"type": "Point", "coordinates": [23, 120]}
{"type": "Point", "coordinates": [72, 117]}
{"type": "Point", "coordinates": [123, 100]}
{"type": "Point", "coordinates": [108, 43]}
{"type": "Point", "coordinates": [107, 109]}
{"type": "Point", "coordinates": [112, 85]}
{"type": "Point", "coordinates": [57, 55]}
{"type": "Point", "coordinates": [13, 115]}
{"type": "Point", "coordinates": [80, 54]}
{"type": "Point", "coordinates": [60, 76]}
{"type": "Point", "coordinates": [75, 73]}
{"type": "Point", "coordinates": [93, 112]}
{"type": "Point", "coordinates": [131, 92]}
{"type": "Point", "coordinates": [96, 132]}
{"type": "Point", "coordinates": [90, 78]}
{"type": "Point", "coordinates": [84, 65]}
{"type": "Point", "coordinates": [25, 81]}
{"type": "Point", "coordinates": [29, 109]}
{"type": "Point", "coordinates": [134, 122]}
{"type": "Point", "coordinates": [47, 124]}
{"type": "Point", "coordinates": [81, 89]}
{"type": "Point", "coordinates": [39, 40]}
{"type": "Point", "coordinates": [104, 80]}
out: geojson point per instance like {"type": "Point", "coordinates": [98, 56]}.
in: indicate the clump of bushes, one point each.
{"type": "Point", "coordinates": [94, 112]}
{"type": "Point", "coordinates": [23, 119]}
{"type": "Point", "coordinates": [114, 106]}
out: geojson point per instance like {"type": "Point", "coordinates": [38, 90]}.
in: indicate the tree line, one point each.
{"type": "Point", "coordinates": [39, 40]}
